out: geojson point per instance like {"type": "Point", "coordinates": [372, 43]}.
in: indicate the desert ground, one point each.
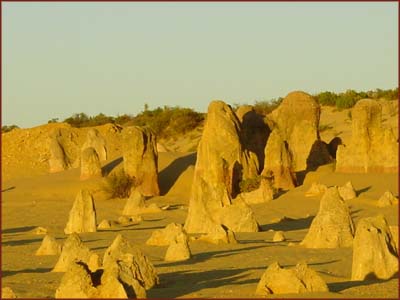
{"type": "Point", "coordinates": [33, 197]}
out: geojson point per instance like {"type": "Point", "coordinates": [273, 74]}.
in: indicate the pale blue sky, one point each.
{"type": "Point", "coordinates": [64, 58]}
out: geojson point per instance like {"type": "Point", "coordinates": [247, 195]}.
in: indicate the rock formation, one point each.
{"type": "Point", "coordinates": [372, 147]}
{"type": "Point", "coordinates": [301, 279]}
{"type": "Point", "coordinates": [136, 205]}
{"type": "Point", "coordinates": [347, 191]}
{"type": "Point", "coordinates": [374, 250]}
{"type": "Point", "coordinates": [238, 217]}
{"type": "Point", "coordinates": [82, 217]}
{"type": "Point", "coordinates": [316, 189]}
{"type": "Point", "coordinates": [394, 230]}
{"type": "Point", "coordinates": [332, 227]}
{"type": "Point", "coordinates": [297, 120]}
{"type": "Point", "coordinates": [96, 141]}
{"type": "Point", "coordinates": [140, 159]}
{"type": "Point", "coordinates": [219, 235]}
{"type": "Point", "coordinates": [104, 224]}
{"type": "Point", "coordinates": [278, 237]}
{"type": "Point", "coordinates": [72, 250]}
{"type": "Point", "coordinates": [178, 249]}
{"type": "Point", "coordinates": [222, 162]}
{"type": "Point", "coordinates": [137, 264]}
{"type": "Point", "coordinates": [49, 246]}
{"type": "Point", "coordinates": [7, 293]}
{"type": "Point", "coordinates": [278, 162]}
{"type": "Point", "coordinates": [263, 194]}
{"type": "Point", "coordinates": [387, 199]}
{"type": "Point", "coordinates": [90, 164]}
{"type": "Point", "coordinates": [58, 161]}
{"type": "Point", "coordinates": [164, 237]}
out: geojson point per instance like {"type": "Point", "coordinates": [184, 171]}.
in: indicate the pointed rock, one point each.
{"type": "Point", "coordinates": [57, 160]}
{"type": "Point", "coordinates": [374, 250]}
{"type": "Point", "coordinates": [347, 191]}
{"type": "Point", "coordinates": [301, 279]}
{"type": "Point", "coordinates": [49, 246]}
{"type": "Point", "coordinates": [96, 141]}
{"type": "Point", "coordinates": [387, 199]}
{"type": "Point", "coordinates": [316, 189]}
{"type": "Point", "coordinates": [104, 224]}
{"type": "Point", "coordinates": [164, 237]}
{"type": "Point", "coordinates": [178, 250]}
{"type": "Point", "coordinates": [332, 227]}
{"type": "Point", "coordinates": [239, 217]}
{"type": "Point", "coordinates": [220, 235]}
{"type": "Point", "coordinates": [90, 164]}
{"type": "Point", "coordinates": [264, 194]}
{"type": "Point", "coordinates": [278, 237]}
{"type": "Point", "coordinates": [82, 217]}
{"type": "Point", "coordinates": [7, 293]}
{"type": "Point", "coordinates": [136, 205]}
{"type": "Point", "coordinates": [141, 267]}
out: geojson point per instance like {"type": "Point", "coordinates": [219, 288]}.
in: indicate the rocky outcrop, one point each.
{"type": "Point", "coordinates": [238, 217]}
{"type": "Point", "coordinates": [222, 162]}
{"type": "Point", "coordinates": [82, 217]}
{"type": "Point", "coordinates": [104, 224]}
{"type": "Point", "coordinates": [372, 147]}
{"type": "Point", "coordinates": [347, 191]}
{"type": "Point", "coordinates": [96, 141]}
{"type": "Point", "coordinates": [49, 246]}
{"type": "Point", "coordinates": [278, 162]}
{"type": "Point", "coordinates": [90, 164]}
{"type": "Point", "coordinates": [332, 227]}
{"type": "Point", "coordinates": [164, 237]}
{"type": "Point", "coordinates": [138, 265]}
{"type": "Point", "coordinates": [220, 235]}
{"type": "Point", "coordinates": [141, 159]}
{"type": "Point", "coordinates": [74, 250]}
{"type": "Point", "coordinates": [178, 249]}
{"type": "Point", "coordinates": [374, 250]}
{"type": "Point", "coordinates": [301, 279]}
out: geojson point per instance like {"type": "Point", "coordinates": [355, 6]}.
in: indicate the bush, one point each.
{"type": "Point", "coordinates": [119, 185]}
{"type": "Point", "coordinates": [266, 107]}
{"type": "Point", "coordinates": [6, 128]}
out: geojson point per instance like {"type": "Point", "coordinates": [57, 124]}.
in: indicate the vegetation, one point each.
{"type": "Point", "coordinates": [266, 107]}
{"type": "Point", "coordinates": [119, 184]}
{"type": "Point", "coordinates": [6, 128]}
{"type": "Point", "coordinates": [349, 98]}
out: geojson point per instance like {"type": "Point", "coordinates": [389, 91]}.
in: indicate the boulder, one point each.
{"type": "Point", "coordinates": [7, 293]}
{"type": "Point", "coordinates": [220, 235]}
{"type": "Point", "coordinates": [140, 155]}
{"type": "Point", "coordinates": [301, 279]}
{"type": "Point", "coordinates": [297, 120]}
{"type": "Point", "coordinates": [222, 162]}
{"type": "Point", "coordinates": [372, 148]}
{"type": "Point", "coordinates": [49, 246]}
{"type": "Point", "coordinates": [74, 250]}
{"type": "Point", "coordinates": [137, 264]}
{"type": "Point", "coordinates": [164, 237]}
{"type": "Point", "coordinates": [90, 164]}
{"type": "Point", "coordinates": [82, 217]}
{"type": "Point", "coordinates": [387, 199]}
{"type": "Point", "coordinates": [39, 230]}
{"type": "Point", "coordinates": [316, 189]}
{"type": "Point", "coordinates": [104, 224]}
{"type": "Point", "coordinates": [374, 250]}
{"type": "Point", "coordinates": [278, 162]}
{"type": "Point", "coordinates": [178, 249]}
{"type": "Point", "coordinates": [238, 217]}
{"type": "Point", "coordinates": [96, 141]}
{"type": "Point", "coordinates": [332, 227]}
{"type": "Point", "coordinates": [278, 237]}
{"type": "Point", "coordinates": [135, 205]}
{"type": "Point", "coordinates": [347, 191]}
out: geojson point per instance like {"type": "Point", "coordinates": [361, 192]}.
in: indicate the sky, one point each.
{"type": "Point", "coordinates": [64, 58]}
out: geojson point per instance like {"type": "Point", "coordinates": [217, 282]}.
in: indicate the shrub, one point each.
{"type": "Point", "coordinates": [324, 127]}
{"type": "Point", "coordinates": [6, 128]}
{"type": "Point", "coordinates": [119, 184]}
{"type": "Point", "coordinates": [266, 107]}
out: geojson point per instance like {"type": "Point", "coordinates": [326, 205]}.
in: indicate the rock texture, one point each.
{"type": "Point", "coordinates": [220, 235]}
{"type": "Point", "coordinates": [141, 158]}
{"type": "Point", "coordinates": [297, 120]}
{"type": "Point", "coordinates": [135, 205]}
{"type": "Point", "coordinates": [372, 147]}
{"type": "Point", "coordinates": [278, 162]}
{"type": "Point", "coordinates": [49, 246]}
{"type": "Point", "coordinates": [164, 237]}
{"type": "Point", "coordinates": [316, 189]}
{"type": "Point", "coordinates": [222, 162]}
{"type": "Point", "coordinates": [347, 191]}
{"type": "Point", "coordinates": [58, 161]}
{"type": "Point", "coordinates": [278, 237]}
{"type": "Point", "coordinates": [263, 194]}
{"type": "Point", "coordinates": [74, 250]}
{"type": "Point", "coordinates": [96, 141]}
{"type": "Point", "coordinates": [387, 199]}
{"type": "Point", "coordinates": [301, 279]}
{"type": "Point", "coordinates": [374, 250]}
{"type": "Point", "coordinates": [238, 217]}
{"type": "Point", "coordinates": [82, 217]}
{"type": "Point", "coordinates": [104, 224]}
{"type": "Point", "coordinates": [178, 249]}
{"type": "Point", "coordinates": [332, 227]}
{"type": "Point", "coordinates": [7, 293]}
{"type": "Point", "coordinates": [90, 164]}
{"type": "Point", "coordinates": [136, 263]}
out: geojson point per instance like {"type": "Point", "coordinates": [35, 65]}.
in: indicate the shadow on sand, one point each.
{"type": "Point", "coordinates": [289, 224]}
{"type": "Point", "coordinates": [18, 229]}
{"type": "Point", "coordinates": [14, 272]}
{"type": "Point", "coordinates": [105, 170]}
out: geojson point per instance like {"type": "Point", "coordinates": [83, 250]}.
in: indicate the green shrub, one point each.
{"type": "Point", "coordinates": [251, 184]}
{"type": "Point", "coordinates": [266, 107]}
{"type": "Point", "coordinates": [7, 128]}
{"type": "Point", "coordinates": [119, 184]}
